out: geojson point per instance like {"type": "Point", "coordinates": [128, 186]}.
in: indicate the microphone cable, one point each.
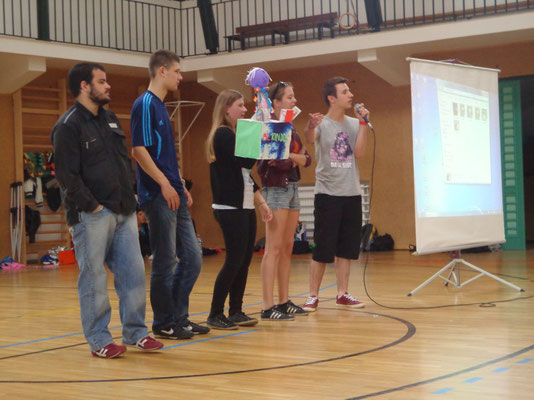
{"type": "Point", "coordinates": [366, 264]}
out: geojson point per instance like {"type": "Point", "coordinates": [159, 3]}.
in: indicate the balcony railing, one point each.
{"type": "Point", "coordinates": [145, 26]}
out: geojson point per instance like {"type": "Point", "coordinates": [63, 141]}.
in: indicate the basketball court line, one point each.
{"type": "Point", "coordinates": [147, 322]}
{"type": "Point", "coordinates": [410, 331]}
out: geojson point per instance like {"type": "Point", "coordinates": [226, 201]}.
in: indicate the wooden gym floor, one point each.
{"type": "Point", "coordinates": [467, 351]}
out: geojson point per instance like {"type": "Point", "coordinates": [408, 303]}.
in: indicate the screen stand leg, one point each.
{"type": "Point", "coordinates": [454, 273]}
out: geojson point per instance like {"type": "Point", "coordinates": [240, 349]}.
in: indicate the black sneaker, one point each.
{"type": "Point", "coordinates": [221, 322]}
{"type": "Point", "coordinates": [275, 314]}
{"type": "Point", "coordinates": [173, 333]}
{"type": "Point", "coordinates": [196, 328]}
{"type": "Point", "coordinates": [242, 319]}
{"type": "Point", "coordinates": [290, 308]}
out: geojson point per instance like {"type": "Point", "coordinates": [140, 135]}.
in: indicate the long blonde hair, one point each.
{"type": "Point", "coordinates": [225, 99]}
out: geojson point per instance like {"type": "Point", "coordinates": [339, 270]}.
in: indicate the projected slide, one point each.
{"type": "Point", "coordinates": [457, 156]}
{"type": "Point", "coordinates": [453, 153]}
{"type": "Point", "coordinates": [464, 126]}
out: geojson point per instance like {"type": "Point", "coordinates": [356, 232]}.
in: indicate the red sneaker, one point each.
{"type": "Point", "coordinates": [348, 301]}
{"type": "Point", "coordinates": [311, 304]}
{"type": "Point", "coordinates": [112, 350]}
{"type": "Point", "coordinates": [147, 344]}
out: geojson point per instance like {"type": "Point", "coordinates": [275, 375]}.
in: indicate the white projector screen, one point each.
{"type": "Point", "coordinates": [456, 156]}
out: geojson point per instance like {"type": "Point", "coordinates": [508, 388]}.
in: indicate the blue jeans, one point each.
{"type": "Point", "coordinates": [105, 237]}
{"type": "Point", "coordinates": [171, 235]}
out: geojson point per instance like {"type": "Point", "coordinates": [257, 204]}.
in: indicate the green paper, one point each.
{"type": "Point", "coordinates": [268, 140]}
{"type": "Point", "coordinates": [248, 138]}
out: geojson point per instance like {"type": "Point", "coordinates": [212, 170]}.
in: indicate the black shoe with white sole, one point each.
{"type": "Point", "coordinates": [174, 333]}
{"type": "Point", "coordinates": [196, 328]}
{"type": "Point", "coordinates": [242, 319]}
{"type": "Point", "coordinates": [221, 322]}
{"type": "Point", "coordinates": [275, 314]}
{"type": "Point", "coordinates": [290, 308]}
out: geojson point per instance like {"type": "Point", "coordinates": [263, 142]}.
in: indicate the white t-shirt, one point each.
{"type": "Point", "coordinates": [248, 196]}
{"type": "Point", "coordinates": [248, 193]}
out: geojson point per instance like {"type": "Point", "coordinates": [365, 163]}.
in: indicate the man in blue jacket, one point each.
{"type": "Point", "coordinates": [165, 200]}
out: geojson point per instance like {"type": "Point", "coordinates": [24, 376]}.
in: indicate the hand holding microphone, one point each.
{"type": "Point", "coordinates": [362, 113]}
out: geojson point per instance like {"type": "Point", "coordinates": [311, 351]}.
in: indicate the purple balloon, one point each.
{"type": "Point", "coordinates": [258, 77]}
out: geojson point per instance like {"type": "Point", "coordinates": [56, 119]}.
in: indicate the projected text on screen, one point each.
{"type": "Point", "coordinates": [464, 126]}
{"type": "Point", "coordinates": [456, 149]}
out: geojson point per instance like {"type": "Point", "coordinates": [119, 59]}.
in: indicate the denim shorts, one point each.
{"type": "Point", "coordinates": [282, 197]}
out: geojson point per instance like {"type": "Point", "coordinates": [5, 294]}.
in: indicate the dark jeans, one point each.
{"type": "Point", "coordinates": [171, 235]}
{"type": "Point", "coordinates": [239, 231]}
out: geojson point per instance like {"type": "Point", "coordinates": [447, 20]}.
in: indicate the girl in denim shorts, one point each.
{"type": "Point", "coordinates": [280, 189]}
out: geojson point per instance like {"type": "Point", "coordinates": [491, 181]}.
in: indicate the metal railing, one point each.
{"type": "Point", "coordinates": [145, 26]}
{"type": "Point", "coordinates": [119, 24]}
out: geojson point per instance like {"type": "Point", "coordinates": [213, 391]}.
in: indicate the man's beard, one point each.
{"type": "Point", "coordinates": [95, 99]}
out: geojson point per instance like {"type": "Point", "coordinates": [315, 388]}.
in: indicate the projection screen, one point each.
{"type": "Point", "coordinates": [456, 156]}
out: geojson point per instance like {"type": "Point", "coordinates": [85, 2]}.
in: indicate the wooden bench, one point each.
{"type": "Point", "coordinates": [283, 28]}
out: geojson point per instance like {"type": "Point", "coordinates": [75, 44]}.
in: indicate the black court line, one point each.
{"type": "Point", "coordinates": [515, 277]}
{"type": "Point", "coordinates": [465, 269]}
{"type": "Point", "coordinates": [39, 287]}
{"type": "Point", "coordinates": [45, 350]}
{"type": "Point", "coordinates": [439, 378]}
{"type": "Point", "coordinates": [410, 331]}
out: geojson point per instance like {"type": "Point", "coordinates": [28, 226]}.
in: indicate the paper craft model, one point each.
{"type": "Point", "coordinates": [261, 137]}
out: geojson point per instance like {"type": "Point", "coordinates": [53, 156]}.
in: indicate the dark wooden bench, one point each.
{"type": "Point", "coordinates": [283, 28]}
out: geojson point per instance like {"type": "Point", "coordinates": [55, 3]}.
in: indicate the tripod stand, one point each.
{"type": "Point", "coordinates": [454, 272]}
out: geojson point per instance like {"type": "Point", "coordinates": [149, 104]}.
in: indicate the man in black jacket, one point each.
{"type": "Point", "coordinates": [96, 177]}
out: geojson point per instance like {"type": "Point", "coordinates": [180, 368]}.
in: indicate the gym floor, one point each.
{"type": "Point", "coordinates": [474, 342]}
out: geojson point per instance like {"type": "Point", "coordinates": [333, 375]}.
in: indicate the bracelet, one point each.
{"type": "Point", "coordinates": [262, 203]}
{"type": "Point", "coordinates": [362, 122]}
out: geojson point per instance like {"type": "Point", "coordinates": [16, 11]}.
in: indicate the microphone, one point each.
{"type": "Point", "coordinates": [357, 107]}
